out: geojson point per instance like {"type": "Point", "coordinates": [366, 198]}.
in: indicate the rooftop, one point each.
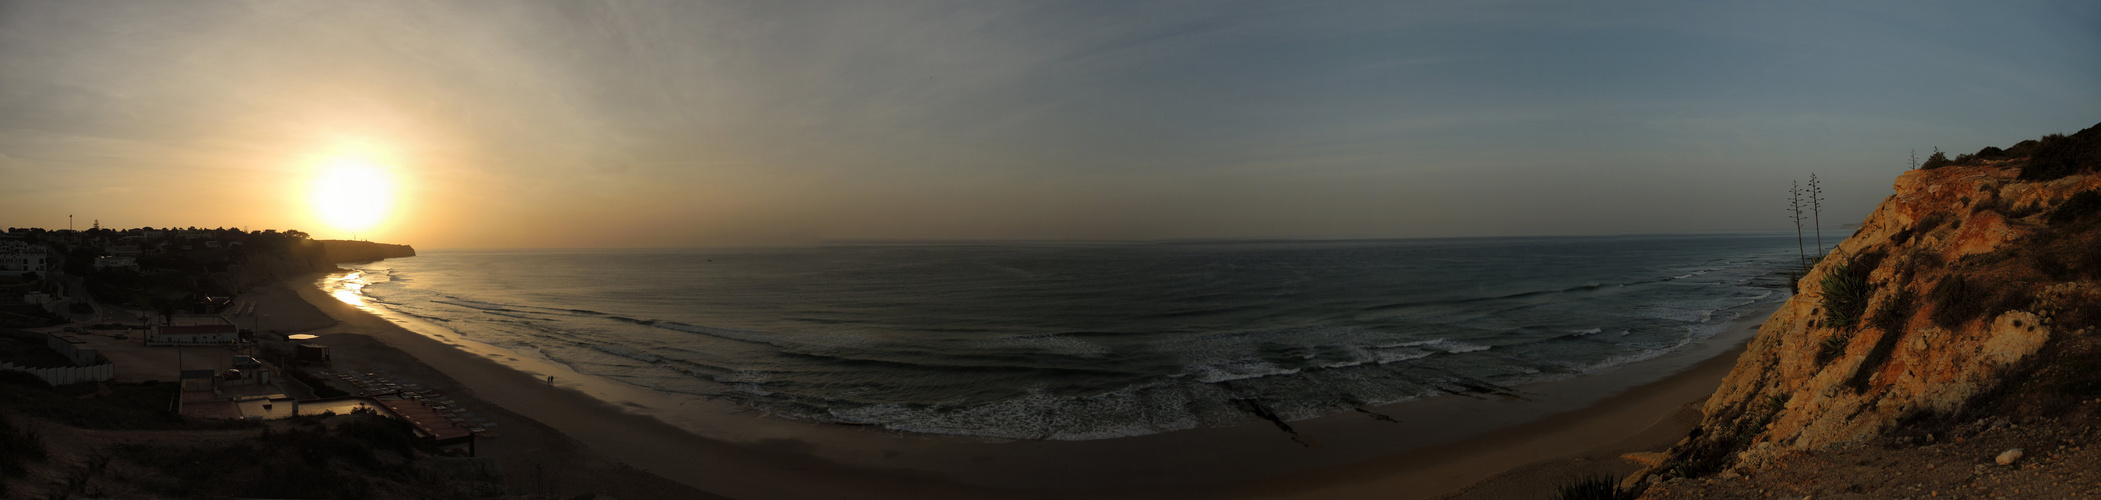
{"type": "Point", "coordinates": [196, 329]}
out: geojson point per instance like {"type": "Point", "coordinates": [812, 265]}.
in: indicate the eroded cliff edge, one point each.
{"type": "Point", "coordinates": [348, 251]}
{"type": "Point", "coordinates": [1972, 293]}
{"type": "Point", "coordinates": [301, 257]}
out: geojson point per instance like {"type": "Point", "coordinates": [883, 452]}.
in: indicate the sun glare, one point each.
{"type": "Point", "coordinates": [352, 195]}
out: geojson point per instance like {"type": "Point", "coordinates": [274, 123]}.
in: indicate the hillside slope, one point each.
{"type": "Point", "coordinates": [301, 257]}
{"type": "Point", "coordinates": [1971, 295]}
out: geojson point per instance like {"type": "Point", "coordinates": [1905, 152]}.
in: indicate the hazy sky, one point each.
{"type": "Point", "coordinates": [570, 124]}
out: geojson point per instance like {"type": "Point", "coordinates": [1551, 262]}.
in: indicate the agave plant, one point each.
{"type": "Point", "coordinates": [1845, 294]}
{"type": "Point", "coordinates": [1595, 488]}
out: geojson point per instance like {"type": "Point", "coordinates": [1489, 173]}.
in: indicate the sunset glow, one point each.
{"type": "Point", "coordinates": [695, 124]}
{"type": "Point", "coordinates": [352, 194]}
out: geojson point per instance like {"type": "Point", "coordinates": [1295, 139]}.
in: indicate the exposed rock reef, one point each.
{"type": "Point", "coordinates": [1973, 293]}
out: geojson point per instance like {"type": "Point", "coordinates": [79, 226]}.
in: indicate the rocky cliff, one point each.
{"type": "Point", "coordinates": [1972, 293]}
{"type": "Point", "coordinates": [342, 251]}
{"type": "Point", "coordinates": [303, 257]}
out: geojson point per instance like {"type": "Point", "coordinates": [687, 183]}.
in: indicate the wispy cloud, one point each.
{"type": "Point", "coordinates": [748, 122]}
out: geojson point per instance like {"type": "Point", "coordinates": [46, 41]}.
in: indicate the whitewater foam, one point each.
{"type": "Point", "coordinates": [1149, 345]}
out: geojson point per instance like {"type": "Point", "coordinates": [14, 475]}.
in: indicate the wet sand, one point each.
{"type": "Point", "coordinates": [1436, 446]}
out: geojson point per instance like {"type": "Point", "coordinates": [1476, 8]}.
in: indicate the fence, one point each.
{"type": "Point", "coordinates": [67, 375]}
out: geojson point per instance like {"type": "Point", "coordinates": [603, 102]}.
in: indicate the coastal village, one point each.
{"type": "Point", "coordinates": [152, 323]}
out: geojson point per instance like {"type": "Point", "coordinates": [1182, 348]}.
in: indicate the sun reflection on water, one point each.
{"type": "Point", "coordinates": [348, 288]}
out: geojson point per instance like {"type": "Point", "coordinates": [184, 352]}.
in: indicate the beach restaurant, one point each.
{"type": "Point", "coordinates": [429, 423]}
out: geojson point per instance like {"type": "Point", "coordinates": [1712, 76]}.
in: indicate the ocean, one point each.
{"type": "Point", "coordinates": [1091, 341]}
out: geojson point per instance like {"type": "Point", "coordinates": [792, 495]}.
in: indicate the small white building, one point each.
{"type": "Point", "coordinates": [116, 262]}
{"type": "Point", "coordinates": [18, 258]}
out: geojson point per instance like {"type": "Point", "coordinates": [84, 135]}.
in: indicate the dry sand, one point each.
{"type": "Point", "coordinates": [1559, 429]}
{"type": "Point", "coordinates": [537, 458]}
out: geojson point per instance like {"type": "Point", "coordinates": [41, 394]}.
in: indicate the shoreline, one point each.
{"type": "Point", "coordinates": [742, 453]}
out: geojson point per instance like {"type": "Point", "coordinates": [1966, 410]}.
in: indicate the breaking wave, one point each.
{"type": "Point", "coordinates": [1091, 342]}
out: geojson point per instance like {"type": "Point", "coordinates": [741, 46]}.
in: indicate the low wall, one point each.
{"type": "Point", "coordinates": [72, 348]}
{"type": "Point", "coordinates": [67, 375]}
{"type": "Point", "coordinates": [162, 342]}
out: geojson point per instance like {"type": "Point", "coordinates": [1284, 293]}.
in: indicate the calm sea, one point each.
{"type": "Point", "coordinates": [1091, 341]}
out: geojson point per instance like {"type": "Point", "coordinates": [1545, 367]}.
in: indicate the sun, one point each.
{"type": "Point", "coordinates": [352, 194]}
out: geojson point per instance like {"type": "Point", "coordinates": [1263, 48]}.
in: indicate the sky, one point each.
{"type": "Point", "coordinates": [680, 124]}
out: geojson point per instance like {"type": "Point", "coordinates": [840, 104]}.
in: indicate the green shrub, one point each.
{"type": "Point", "coordinates": [1833, 347]}
{"type": "Point", "coordinates": [1919, 259]}
{"type": "Point", "coordinates": [1894, 315]}
{"type": "Point", "coordinates": [1925, 225]}
{"type": "Point", "coordinates": [2079, 206]}
{"type": "Point", "coordinates": [1938, 160]}
{"type": "Point", "coordinates": [2057, 155]}
{"type": "Point", "coordinates": [1595, 488]}
{"type": "Point", "coordinates": [1957, 300]}
{"type": "Point", "coordinates": [2005, 206]}
{"type": "Point", "coordinates": [2022, 149]}
{"type": "Point", "coordinates": [1846, 290]}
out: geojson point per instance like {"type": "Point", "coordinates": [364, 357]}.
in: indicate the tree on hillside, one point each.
{"type": "Point", "coordinates": [1938, 160]}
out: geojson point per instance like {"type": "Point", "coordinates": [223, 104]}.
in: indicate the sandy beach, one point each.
{"type": "Point", "coordinates": [562, 437]}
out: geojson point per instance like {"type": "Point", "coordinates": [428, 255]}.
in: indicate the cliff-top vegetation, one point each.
{"type": "Point", "coordinates": [2054, 156]}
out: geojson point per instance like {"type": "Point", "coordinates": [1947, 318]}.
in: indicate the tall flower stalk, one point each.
{"type": "Point", "coordinates": [1794, 208]}
{"type": "Point", "coordinates": [1816, 213]}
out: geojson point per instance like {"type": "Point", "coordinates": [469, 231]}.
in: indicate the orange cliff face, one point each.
{"type": "Point", "coordinates": [1969, 273]}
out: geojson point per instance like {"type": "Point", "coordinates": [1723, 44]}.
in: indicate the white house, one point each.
{"type": "Point", "coordinates": [17, 258]}
{"type": "Point", "coordinates": [116, 262]}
